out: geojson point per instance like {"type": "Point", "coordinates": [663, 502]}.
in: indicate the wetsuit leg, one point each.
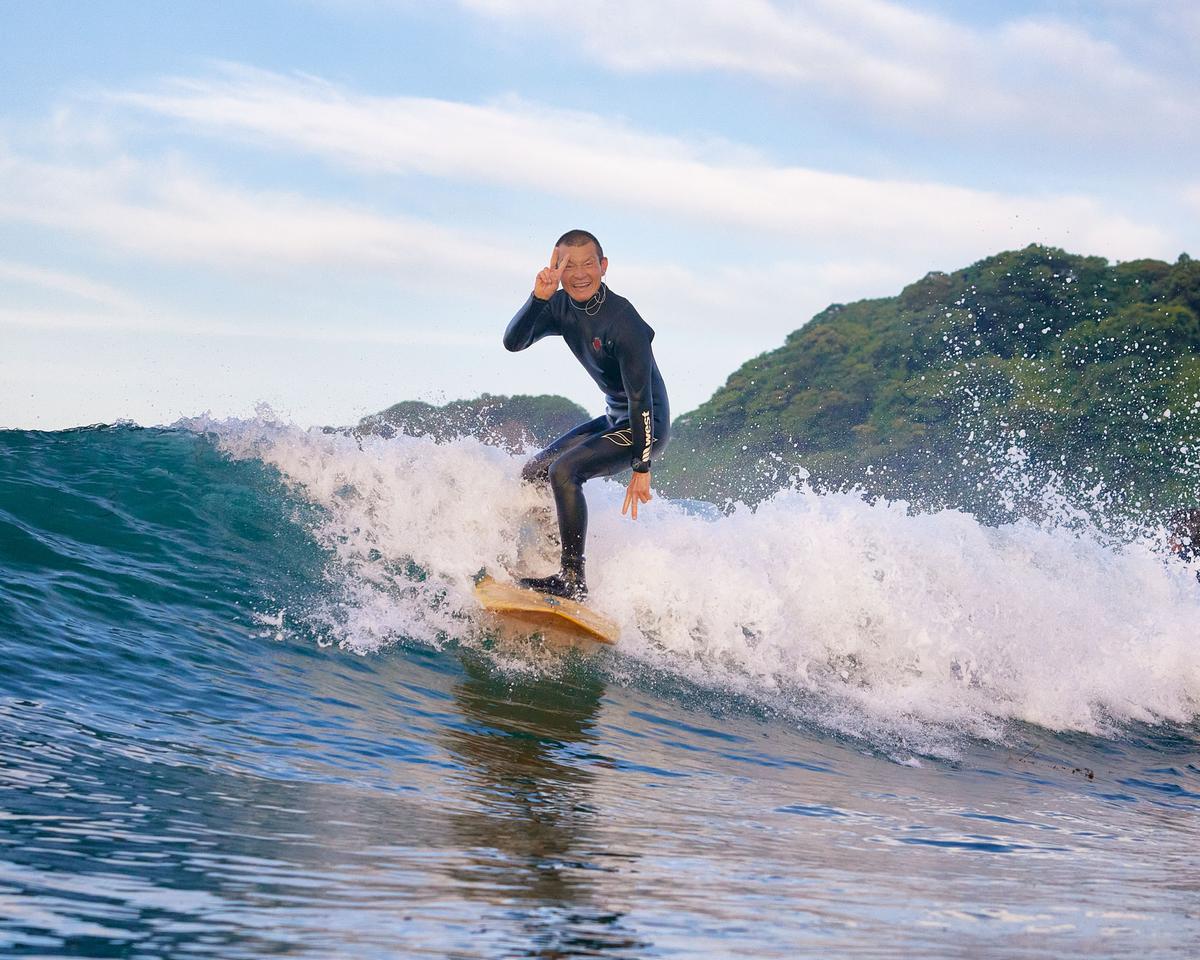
{"type": "Point", "coordinates": [599, 455]}
{"type": "Point", "coordinates": [539, 465]}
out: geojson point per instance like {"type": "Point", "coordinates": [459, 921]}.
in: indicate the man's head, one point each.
{"type": "Point", "coordinates": [586, 264]}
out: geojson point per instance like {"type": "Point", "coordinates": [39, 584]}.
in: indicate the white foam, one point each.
{"type": "Point", "coordinates": [913, 629]}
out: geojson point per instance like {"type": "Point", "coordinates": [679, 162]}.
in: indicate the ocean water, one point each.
{"type": "Point", "coordinates": [247, 709]}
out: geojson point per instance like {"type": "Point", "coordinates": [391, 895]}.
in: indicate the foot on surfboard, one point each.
{"type": "Point", "coordinates": [557, 585]}
{"type": "Point", "coordinates": [519, 611]}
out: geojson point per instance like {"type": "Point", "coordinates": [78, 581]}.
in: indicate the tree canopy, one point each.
{"type": "Point", "coordinates": [508, 421]}
{"type": "Point", "coordinates": [1030, 362]}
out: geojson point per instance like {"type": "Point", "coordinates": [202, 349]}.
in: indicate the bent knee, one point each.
{"type": "Point", "coordinates": [562, 473]}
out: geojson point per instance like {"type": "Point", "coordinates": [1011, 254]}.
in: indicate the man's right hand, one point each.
{"type": "Point", "coordinates": [548, 278]}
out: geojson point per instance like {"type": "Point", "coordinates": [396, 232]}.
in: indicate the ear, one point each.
{"type": "Point", "coordinates": [603, 266]}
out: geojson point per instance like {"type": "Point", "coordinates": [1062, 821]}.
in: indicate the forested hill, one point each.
{"type": "Point", "coordinates": [509, 421]}
{"type": "Point", "coordinates": [1086, 368]}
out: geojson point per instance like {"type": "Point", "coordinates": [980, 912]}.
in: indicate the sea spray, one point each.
{"type": "Point", "coordinates": [860, 616]}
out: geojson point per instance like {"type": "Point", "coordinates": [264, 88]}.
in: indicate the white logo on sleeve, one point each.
{"type": "Point", "coordinates": [624, 436]}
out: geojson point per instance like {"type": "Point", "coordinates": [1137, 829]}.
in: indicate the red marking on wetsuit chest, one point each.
{"type": "Point", "coordinates": [595, 343]}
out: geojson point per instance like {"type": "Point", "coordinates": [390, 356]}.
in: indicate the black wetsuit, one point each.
{"type": "Point", "coordinates": [613, 344]}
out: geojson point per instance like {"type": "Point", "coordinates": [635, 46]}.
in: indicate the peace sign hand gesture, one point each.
{"type": "Point", "coordinates": [548, 278]}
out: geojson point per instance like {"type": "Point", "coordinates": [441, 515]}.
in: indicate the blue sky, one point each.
{"type": "Point", "coordinates": [331, 205]}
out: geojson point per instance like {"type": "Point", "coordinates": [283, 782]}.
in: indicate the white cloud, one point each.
{"type": "Point", "coordinates": [161, 212]}
{"type": "Point", "coordinates": [805, 46]}
{"type": "Point", "coordinates": [524, 146]}
{"type": "Point", "coordinates": [1041, 74]}
{"type": "Point", "coordinates": [155, 322]}
{"type": "Point", "coordinates": [70, 284]}
{"type": "Point", "coordinates": [164, 211]}
{"type": "Point", "coordinates": [149, 210]}
{"type": "Point", "coordinates": [796, 289]}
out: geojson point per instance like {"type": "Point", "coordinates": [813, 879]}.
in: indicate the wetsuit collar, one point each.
{"type": "Point", "coordinates": [592, 305]}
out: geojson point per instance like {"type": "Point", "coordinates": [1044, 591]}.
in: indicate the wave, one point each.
{"type": "Point", "coordinates": [909, 631]}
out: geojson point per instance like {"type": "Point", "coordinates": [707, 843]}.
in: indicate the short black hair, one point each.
{"type": "Point", "coordinates": [577, 238]}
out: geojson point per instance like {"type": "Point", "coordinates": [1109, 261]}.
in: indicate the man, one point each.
{"type": "Point", "coordinates": [612, 342]}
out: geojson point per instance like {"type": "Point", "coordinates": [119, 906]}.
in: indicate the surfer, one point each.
{"type": "Point", "coordinates": [610, 339]}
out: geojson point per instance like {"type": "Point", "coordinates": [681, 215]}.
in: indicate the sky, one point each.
{"type": "Point", "coordinates": [328, 206]}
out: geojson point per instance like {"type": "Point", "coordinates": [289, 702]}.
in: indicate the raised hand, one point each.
{"type": "Point", "coordinates": [548, 278]}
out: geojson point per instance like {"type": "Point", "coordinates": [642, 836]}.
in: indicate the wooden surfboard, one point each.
{"type": "Point", "coordinates": [543, 613]}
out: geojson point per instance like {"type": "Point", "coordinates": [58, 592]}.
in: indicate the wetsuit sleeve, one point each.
{"type": "Point", "coordinates": [637, 364]}
{"type": "Point", "coordinates": [533, 321]}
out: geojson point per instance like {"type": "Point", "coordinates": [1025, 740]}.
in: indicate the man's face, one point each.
{"type": "Point", "coordinates": [584, 270]}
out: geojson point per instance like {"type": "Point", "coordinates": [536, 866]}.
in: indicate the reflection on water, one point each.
{"type": "Point", "coordinates": [430, 805]}
{"type": "Point", "coordinates": [105, 851]}
{"type": "Point", "coordinates": [529, 834]}
{"type": "Point", "coordinates": [346, 832]}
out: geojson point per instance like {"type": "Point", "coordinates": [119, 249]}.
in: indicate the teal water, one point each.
{"type": "Point", "coordinates": [201, 756]}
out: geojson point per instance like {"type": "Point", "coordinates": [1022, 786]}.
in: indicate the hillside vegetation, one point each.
{"type": "Point", "coordinates": [508, 421]}
{"type": "Point", "coordinates": [1029, 363]}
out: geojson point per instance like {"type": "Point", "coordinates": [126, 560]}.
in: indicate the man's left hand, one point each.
{"type": "Point", "coordinates": [638, 492]}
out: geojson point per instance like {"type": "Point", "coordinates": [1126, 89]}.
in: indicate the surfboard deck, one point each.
{"type": "Point", "coordinates": [543, 613]}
